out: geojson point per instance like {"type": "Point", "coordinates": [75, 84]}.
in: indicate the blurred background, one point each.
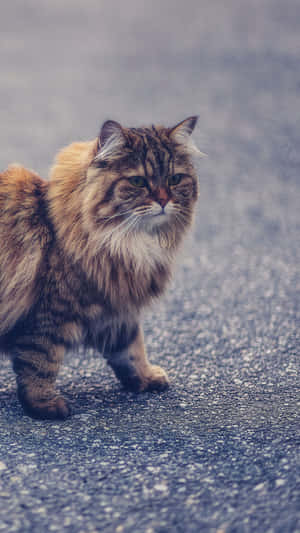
{"type": "Point", "coordinates": [68, 65]}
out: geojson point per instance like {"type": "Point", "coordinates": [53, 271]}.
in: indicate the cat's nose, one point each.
{"type": "Point", "coordinates": [162, 197]}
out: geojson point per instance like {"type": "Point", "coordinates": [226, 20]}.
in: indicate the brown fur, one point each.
{"type": "Point", "coordinates": [81, 255]}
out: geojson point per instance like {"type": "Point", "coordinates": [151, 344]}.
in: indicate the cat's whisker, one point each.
{"type": "Point", "coordinates": [139, 210]}
{"type": "Point", "coordinates": [130, 223]}
{"type": "Point", "coordinates": [181, 220]}
{"type": "Point", "coordinates": [117, 240]}
{"type": "Point", "coordinates": [122, 213]}
{"type": "Point", "coordinates": [107, 236]}
{"type": "Point", "coordinates": [181, 210]}
{"type": "Point", "coordinates": [143, 210]}
{"type": "Point", "coordinates": [179, 207]}
{"type": "Point", "coordinates": [121, 228]}
{"type": "Point", "coordinates": [183, 213]}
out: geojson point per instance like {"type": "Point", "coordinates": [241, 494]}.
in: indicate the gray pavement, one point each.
{"type": "Point", "coordinates": [219, 451]}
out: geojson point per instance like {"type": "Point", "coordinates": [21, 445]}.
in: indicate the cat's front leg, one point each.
{"type": "Point", "coordinates": [36, 364]}
{"type": "Point", "coordinates": [130, 363]}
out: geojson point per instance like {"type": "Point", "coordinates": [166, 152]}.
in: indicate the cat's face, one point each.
{"type": "Point", "coordinates": [143, 180]}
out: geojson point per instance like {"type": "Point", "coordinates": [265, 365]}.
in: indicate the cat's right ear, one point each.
{"type": "Point", "coordinates": [110, 141]}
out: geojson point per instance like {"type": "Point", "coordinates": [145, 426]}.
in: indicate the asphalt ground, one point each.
{"type": "Point", "coordinates": [219, 451]}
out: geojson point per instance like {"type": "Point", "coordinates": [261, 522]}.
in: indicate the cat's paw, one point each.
{"type": "Point", "coordinates": [155, 380]}
{"type": "Point", "coordinates": [50, 408]}
{"type": "Point", "coordinates": [152, 378]}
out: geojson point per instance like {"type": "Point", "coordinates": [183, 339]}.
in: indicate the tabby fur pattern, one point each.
{"type": "Point", "coordinates": [83, 253]}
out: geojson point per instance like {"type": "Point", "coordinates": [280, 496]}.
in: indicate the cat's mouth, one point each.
{"type": "Point", "coordinates": [154, 219]}
{"type": "Point", "coordinates": [150, 219]}
{"type": "Point", "coordinates": [161, 214]}
{"type": "Point", "coordinates": [158, 211]}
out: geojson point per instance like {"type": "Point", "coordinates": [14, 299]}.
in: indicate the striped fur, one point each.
{"type": "Point", "coordinates": [82, 254]}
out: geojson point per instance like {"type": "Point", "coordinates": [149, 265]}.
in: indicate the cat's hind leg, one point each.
{"type": "Point", "coordinates": [130, 363]}
{"type": "Point", "coordinates": [36, 365]}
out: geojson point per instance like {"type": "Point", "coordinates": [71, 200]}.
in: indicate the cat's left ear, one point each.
{"type": "Point", "coordinates": [182, 131]}
{"type": "Point", "coordinates": [110, 141]}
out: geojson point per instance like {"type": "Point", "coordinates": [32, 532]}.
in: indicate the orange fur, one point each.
{"type": "Point", "coordinates": [22, 242]}
{"type": "Point", "coordinates": [82, 254]}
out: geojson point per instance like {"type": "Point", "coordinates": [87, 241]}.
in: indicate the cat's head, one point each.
{"type": "Point", "coordinates": [143, 180]}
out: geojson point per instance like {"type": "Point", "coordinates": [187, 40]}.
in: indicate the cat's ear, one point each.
{"type": "Point", "coordinates": [181, 133]}
{"type": "Point", "coordinates": [110, 141]}
{"type": "Point", "coordinates": [183, 130]}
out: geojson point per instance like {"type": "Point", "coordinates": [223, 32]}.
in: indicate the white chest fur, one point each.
{"type": "Point", "coordinates": [141, 250]}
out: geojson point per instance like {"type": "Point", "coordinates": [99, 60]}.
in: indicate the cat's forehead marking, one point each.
{"type": "Point", "coordinates": [155, 152]}
{"type": "Point", "coordinates": [148, 151]}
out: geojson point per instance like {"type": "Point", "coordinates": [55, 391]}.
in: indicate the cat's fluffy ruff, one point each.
{"type": "Point", "coordinates": [120, 265]}
{"type": "Point", "coordinates": [82, 254]}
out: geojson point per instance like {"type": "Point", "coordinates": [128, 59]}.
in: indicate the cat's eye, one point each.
{"type": "Point", "coordinates": [137, 181]}
{"type": "Point", "coordinates": [175, 179]}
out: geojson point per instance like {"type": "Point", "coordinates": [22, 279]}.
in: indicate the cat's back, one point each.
{"type": "Point", "coordinates": [22, 192]}
{"type": "Point", "coordinates": [24, 234]}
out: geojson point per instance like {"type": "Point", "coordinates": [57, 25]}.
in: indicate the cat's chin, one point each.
{"type": "Point", "coordinates": [162, 233]}
{"type": "Point", "coordinates": [154, 223]}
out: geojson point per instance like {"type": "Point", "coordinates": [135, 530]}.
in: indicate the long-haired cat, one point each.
{"type": "Point", "coordinates": [82, 254]}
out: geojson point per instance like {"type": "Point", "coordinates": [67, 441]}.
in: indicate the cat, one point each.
{"type": "Point", "coordinates": [83, 253]}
